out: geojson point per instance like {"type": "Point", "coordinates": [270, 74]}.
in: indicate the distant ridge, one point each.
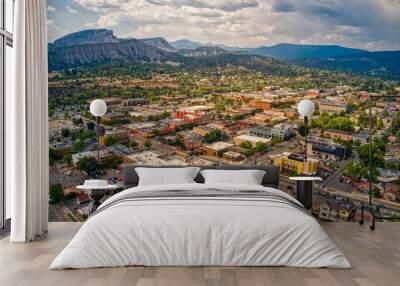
{"type": "Point", "coordinates": [185, 44]}
{"type": "Point", "coordinates": [91, 36]}
{"type": "Point", "coordinates": [95, 47]}
{"type": "Point", "coordinates": [292, 51]}
{"type": "Point", "coordinates": [160, 43]}
{"type": "Point", "coordinates": [202, 52]}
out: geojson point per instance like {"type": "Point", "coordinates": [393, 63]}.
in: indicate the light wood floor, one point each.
{"type": "Point", "coordinates": [375, 257]}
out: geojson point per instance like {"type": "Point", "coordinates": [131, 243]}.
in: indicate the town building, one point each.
{"type": "Point", "coordinates": [263, 104]}
{"type": "Point", "coordinates": [110, 101]}
{"type": "Point", "coordinates": [193, 114]}
{"type": "Point", "coordinates": [346, 136]}
{"type": "Point", "coordinates": [133, 101]}
{"type": "Point", "coordinates": [217, 149]}
{"type": "Point", "coordinates": [202, 130]}
{"type": "Point", "coordinates": [232, 156]}
{"type": "Point", "coordinates": [103, 155]}
{"type": "Point", "coordinates": [338, 135]}
{"type": "Point", "coordinates": [252, 139]}
{"type": "Point", "coordinates": [191, 140]}
{"type": "Point", "coordinates": [360, 137]}
{"type": "Point", "coordinates": [273, 113]}
{"type": "Point", "coordinates": [281, 131]}
{"type": "Point", "coordinates": [111, 116]}
{"type": "Point", "coordinates": [333, 107]}
{"type": "Point", "coordinates": [153, 159]}
{"type": "Point", "coordinates": [118, 135]}
{"type": "Point", "coordinates": [229, 127]}
{"type": "Point", "coordinates": [295, 164]}
{"type": "Point", "coordinates": [326, 149]}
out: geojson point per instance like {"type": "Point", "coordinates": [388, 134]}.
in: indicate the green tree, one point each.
{"type": "Point", "coordinates": [261, 146]}
{"type": "Point", "coordinates": [246, 145]}
{"type": "Point", "coordinates": [377, 154]}
{"type": "Point", "coordinates": [113, 161]}
{"type": "Point", "coordinates": [65, 132]}
{"type": "Point", "coordinates": [214, 136]}
{"type": "Point", "coordinates": [147, 144]}
{"type": "Point", "coordinates": [77, 121]}
{"type": "Point", "coordinates": [376, 192]}
{"type": "Point", "coordinates": [90, 125]}
{"type": "Point", "coordinates": [78, 146]}
{"type": "Point", "coordinates": [56, 193]}
{"type": "Point", "coordinates": [67, 158]}
{"type": "Point", "coordinates": [276, 140]}
{"type": "Point", "coordinates": [133, 144]}
{"type": "Point", "coordinates": [156, 132]}
{"type": "Point", "coordinates": [356, 170]}
{"type": "Point", "coordinates": [53, 156]}
{"type": "Point", "coordinates": [90, 165]}
{"type": "Point", "coordinates": [302, 130]}
{"type": "Point", "coordinates": [109, 140]}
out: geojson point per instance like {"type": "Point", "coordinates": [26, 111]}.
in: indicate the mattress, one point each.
{"type": "Point", "coordinates": [201, 225]}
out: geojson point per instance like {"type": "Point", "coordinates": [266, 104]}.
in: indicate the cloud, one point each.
{"type": "Point", "coordinates": [54, 31]}
{"type": "Point", "coordinates": [71, 10]}
{"type": "Point", "coordinates": [51, 8]}
{"type": "Point", "coordinates": [225, 5]}
{"type": "Point", "coordinates": [367, 24]}
{"type": "Point", "coordinates": [283, 6]}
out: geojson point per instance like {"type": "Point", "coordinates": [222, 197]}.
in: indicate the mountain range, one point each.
{"type": "Point", "coordinates": [100, 46]}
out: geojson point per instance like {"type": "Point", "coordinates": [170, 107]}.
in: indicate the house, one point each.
{"type": "Point", "coordinates": [217, 149]}
{"type": "Point", "coordinates": [193, 114]}
{"type": "Point", "coordinates": [202, 130]}
{"type": "Point", "coordinates": [261, 103]}
{"type": "Point", "coordinates": [333, 107]}
{"type": "Point", "coordinates": [345, 213]}
{"type": "Point", "coordinates": [133, 101]}
{"type": "Point", "coordinates": [117, 135]}
{"type": "Point", "coordinates": [191, 140]}
{"type": "Point", "coordinates": [324, 211]}
{"type": "Point", "coordinates": [252, 139]}
{"type": "Point", "coordinates": [326, 149]}
{"type": "Point", "coordinates": [110, 101]}
{"type": "Point", "coordinates": [338, 134]}
{"type": "Point", "coordinates": [295, 164]}
{"type": "Point", "coordinates": [333, 214]}
{"type": "Point", "coordinates": [281, 131]}
{"type": "Point", "coordinates": [233, 156]}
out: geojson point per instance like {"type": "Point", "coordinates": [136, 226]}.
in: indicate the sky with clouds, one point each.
{"type": "Point", "coordinates": [368, 24]}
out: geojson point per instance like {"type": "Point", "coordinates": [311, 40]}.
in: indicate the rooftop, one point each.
{"type": "Point", "coordinates": [252, 138]}
{"type": "Point", "coordinates": [221, 145]}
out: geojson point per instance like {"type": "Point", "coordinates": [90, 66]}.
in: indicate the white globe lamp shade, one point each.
{"type": "Point", "coordinates": [98, 107]}
{"type": "Point", "coordinates": [305, 108]}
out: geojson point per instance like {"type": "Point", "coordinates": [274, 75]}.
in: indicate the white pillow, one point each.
{"type": "Point", "coordinates": [166, 176]}
{"type": "Point", "coordinates": [248, 177]}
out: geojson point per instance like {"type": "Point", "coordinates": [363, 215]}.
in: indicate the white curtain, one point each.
{"type": "Point", "coordinates": [27, 124]}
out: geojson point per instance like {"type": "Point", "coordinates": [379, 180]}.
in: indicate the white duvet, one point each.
{"type": "Point", "coordinates": [202, 232]}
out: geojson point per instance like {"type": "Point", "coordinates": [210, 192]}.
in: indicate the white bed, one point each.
{"type": "Point", "coordinates": [202, 231]}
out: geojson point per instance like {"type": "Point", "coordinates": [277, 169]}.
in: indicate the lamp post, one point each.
{"type": "Point", "coordinates": [305, 183]}
{"type": "Point", "coordinates": [305, 109]}
{"type": "Point", "coordinates": [98, 108]}
{"type": "Point", "coordinates": [370, 206]}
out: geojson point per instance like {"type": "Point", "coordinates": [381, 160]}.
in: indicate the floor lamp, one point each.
{"type": "Point", "coordinates": [98, 108]}
{"type": "Point", "coordinates": [370, 206]}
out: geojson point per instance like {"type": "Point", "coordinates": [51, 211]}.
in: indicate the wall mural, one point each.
{"type": "Point", "coordinates": [215, 82]}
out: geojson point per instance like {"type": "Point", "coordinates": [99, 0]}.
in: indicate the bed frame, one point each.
{"type": "Point", "coordinates": [271, 178]}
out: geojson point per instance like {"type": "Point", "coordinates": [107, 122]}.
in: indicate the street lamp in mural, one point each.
{"type": "Point", "coordinates": [98, 108]}
{"type": "Point", "coordinates": [305, 109]}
